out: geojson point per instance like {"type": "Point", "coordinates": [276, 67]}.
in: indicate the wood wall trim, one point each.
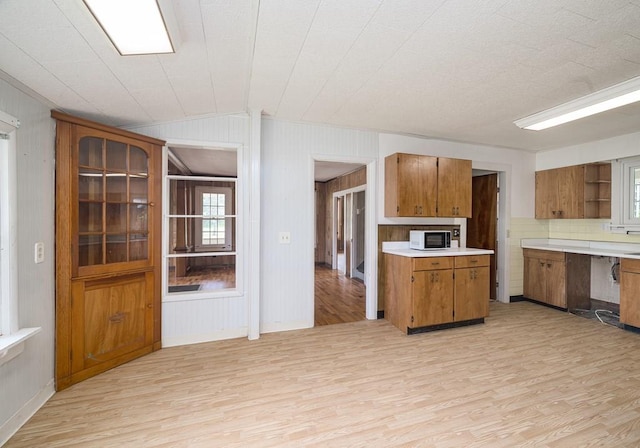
{"type": "Point", "coordinates": [102, 127]}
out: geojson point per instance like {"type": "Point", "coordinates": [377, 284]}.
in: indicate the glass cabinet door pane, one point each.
{"type": "Point", "coordinates": [116, 218]}
{"type": "Point", "coordinates": [90, 152]}
{"type": "Point", "coordinates": [138, 189]}
{"type": "Point", "coordinates": [90, 217]}
{"type": "Point", "coordinates": [138, 161]}
{"type": "Point", "coordinates": [116, 248]}
{"type": "Point", "coordinates": [138, 218]}
{"type": "Point", "coordinates": [116, 187]}
{"type": "Point", "coordinates": [116, 156]}
{"type": "Point", "coordinates": [138, 246]}
{"type": "Point", "coordinates": [89, 250]}
{"type": "Point", "coordinates": [90, 184]}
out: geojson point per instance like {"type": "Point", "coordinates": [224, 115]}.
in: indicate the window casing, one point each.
{"type": "Point", "coordinates": [8, 273]}
{"type": "Point", "coordinates": [631, 191]}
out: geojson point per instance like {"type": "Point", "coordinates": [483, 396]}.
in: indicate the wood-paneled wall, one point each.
{"type": "Point", "coordinates": [400, 233]}
{"type": "Point", "coordinates": [324, 209]}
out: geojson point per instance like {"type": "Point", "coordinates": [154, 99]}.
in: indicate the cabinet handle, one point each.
{"type": "Point", "coordinates": [435, 263]}
{"type": "Point", "coordinates": [457, 211]}
{"type": "Point", "coordinates": [473, 261]}
{"type": "Point", "coordinates": [415, 210]}
{"type": "Point", "coordinates": [152, 204]}
{"type": "Point", "coordinates": [553, 212]}
{"type": "Point", "coordinates": [421, 209]}
{"type": "Point", "coordinates": [432, 278]}
{"type": "Point", "coordinates": [548, 265]}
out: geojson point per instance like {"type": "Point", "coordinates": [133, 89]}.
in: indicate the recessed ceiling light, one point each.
{"type": "Point", "coordinates": [615, 96]}
{"type": "Point", "coordinates": [134, 27]}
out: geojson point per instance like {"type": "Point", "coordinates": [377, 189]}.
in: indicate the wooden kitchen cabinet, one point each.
{"type": "Point", "coordinates": [630, 292]}
{"type": "Point", "coordinates": [411, 183]}
{"type": "Point", "coordinates": [432, 291]}
{"type": "Point", "coordinates": [574, 192]}
{"type": "Point", "coordinates": [108, 232]}
{"type": "Point", "coordinates": [424, 293]}
{"type": "Point", "coordinates": [426, 186]}
{"type": "Point", "coordinates": [555, 278]}
{"type": "Point", "coordinates": [454, 187]}
{"type": "Point", "coordinates": [471, 291]}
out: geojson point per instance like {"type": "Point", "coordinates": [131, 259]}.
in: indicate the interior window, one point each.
{"type": "Point", "coordinates": [202, 220]}
{"type": "Point", "coordinates": [631, 184]}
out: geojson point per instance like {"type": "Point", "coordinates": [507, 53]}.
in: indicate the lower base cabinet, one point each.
{"type": "Point", "coordinates": [422, 293]}
{"type": "Point", "coordinates": [559, 279]}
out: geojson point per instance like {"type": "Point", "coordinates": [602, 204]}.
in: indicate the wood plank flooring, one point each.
{"type": "Point", "coordinates": [530, 376]}
{"type": "Point", "coordinates": [338, 299]}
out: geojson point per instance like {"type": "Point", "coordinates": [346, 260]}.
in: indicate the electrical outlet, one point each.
{"type": "Point", "coordinates": [38, 255]}
{"type": "Point", "coordinates": [285, 237]}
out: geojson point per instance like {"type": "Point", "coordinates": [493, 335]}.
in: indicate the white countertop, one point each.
{"type": "Point", "coordinates": [596, 248]}
{"type": "Point", "coordinates": [401, 248]}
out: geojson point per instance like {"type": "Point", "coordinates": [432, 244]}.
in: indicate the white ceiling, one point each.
{"type": "Point", "coordinates": [455, 69]}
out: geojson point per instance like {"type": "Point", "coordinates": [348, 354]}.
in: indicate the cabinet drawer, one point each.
{"type": "Point", "coordinates": [471, 261]}
{"type": "Point", "coordinates": [543, 254]}
{"type": "Point", "coordinates": [630, 265]}
{"type": "Point", "coordinates": [432, 263]}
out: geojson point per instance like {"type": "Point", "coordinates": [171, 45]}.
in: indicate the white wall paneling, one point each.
{"type": "Point", "coordinates": [288, 153]}
{"type": "Point", "coordinates": [26, 381]}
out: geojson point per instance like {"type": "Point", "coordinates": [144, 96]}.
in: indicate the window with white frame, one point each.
{"type": "Point", "coordinates": [214, 230]}
{"type": "Point", "coordinates": [631, 191]}
{"type": "Point", "coordinates": [8, 305]}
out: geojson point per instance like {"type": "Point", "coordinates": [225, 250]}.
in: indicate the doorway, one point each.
{"type": "Point", "coordinates": [340, 292]}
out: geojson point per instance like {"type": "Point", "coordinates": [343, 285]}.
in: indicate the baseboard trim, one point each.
{"type": "Point", "coordinates": [446, 326]}
{"type": "Point", "coordinates": [11, 426]}
{"type": "Point", "coordinates": [174, 341]}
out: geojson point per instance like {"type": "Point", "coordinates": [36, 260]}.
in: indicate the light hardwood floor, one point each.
{"type": "Point", "coordinates": [530, 376]}
{"type": "Point", "coordinates": [338, 299]}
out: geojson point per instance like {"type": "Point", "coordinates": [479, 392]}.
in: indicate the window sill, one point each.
{"type": "Point", "coordinates": [12, 345]}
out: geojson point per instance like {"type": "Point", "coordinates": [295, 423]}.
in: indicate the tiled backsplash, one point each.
{"type": "Point", "coordinates": [586, 229]}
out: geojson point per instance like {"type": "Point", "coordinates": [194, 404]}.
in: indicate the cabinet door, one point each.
{"type": "Point", "coordinates": [630, 292]}
{"type": "Point", "coordinates": [432, 297]}
{"type": "Point", "coordinates": [409, 188]}
{"type": "Point", "coordinates": [555, 274]}
{"type": "Point", "coordinates": [428, 186]}
{"type": "Point", "coordinates": [111, 318]}
{"type": "Point", "coordinates": [454, 187]}
{"type": "Point", "coordinates": [534, 279]}
{"type": "Point", "coordinates": [570, 192]}
{"type": "Point", "coordinates": [546, 194]}
{"type": "Point", "coordinates": [471, 298]}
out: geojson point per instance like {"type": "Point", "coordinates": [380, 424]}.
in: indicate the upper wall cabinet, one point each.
{"type": "Point", "coordinates": [574, 192]}
{"type": "Point", "coordinates": [426, 186]}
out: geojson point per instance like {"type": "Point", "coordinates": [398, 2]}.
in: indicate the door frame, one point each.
{"type": "Point", "coordinates": [504, 210]}
{"type": "Point", "coordinates": [347, 203]}
{"type": "Point", "coordinates": [371, 229]}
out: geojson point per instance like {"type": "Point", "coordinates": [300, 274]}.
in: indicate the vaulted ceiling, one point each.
{"type": "Point", "coordinates": [455, 69]}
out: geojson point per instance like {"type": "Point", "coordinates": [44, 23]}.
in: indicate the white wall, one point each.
{"type": "Point", "coordinates": [26, 381]}
{"type": "Point", "coordinates": [288, 153]}
{"type": "Point", "coordinates": [217, 317]}
{"type": "Point", "coordinates": [612, 148]}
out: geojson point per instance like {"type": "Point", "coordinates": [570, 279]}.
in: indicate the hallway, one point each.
{"type": "Point", "coordinates": [338, 299]}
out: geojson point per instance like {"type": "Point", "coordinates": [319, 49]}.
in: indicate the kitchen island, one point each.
{"type": "Point", "coordinates": [435, 289]}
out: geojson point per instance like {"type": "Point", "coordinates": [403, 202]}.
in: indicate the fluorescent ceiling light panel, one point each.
{"type": "Point", "coordinates": [134, 26]}
{"type": "Point", "coordinates": [615, 96]}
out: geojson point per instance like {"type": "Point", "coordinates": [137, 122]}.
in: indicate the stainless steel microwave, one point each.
{"type": "Point", "coordinates": [429, 239]}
